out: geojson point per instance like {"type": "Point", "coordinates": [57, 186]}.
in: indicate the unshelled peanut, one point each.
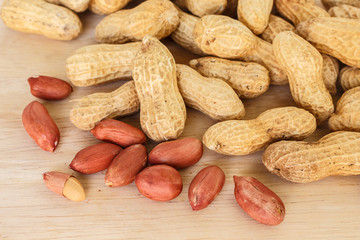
{"type": "Point", "coordinates": [75, 5]}
{"type": "Point", "coordinates": [337, 153]}
{"type": "Point", "coordinates": [157, 18]}
{"type": "Point", "coordinates": [96, 64]}
{"type": "Point", "coordinates": [184, 33]}
{"type": "Point", "coordinates": [347, 115]}
{"type": "Point", "coordinates": [228, 38]}
{"type": "Point", "coordinates": [211, 96]}
{"type": "Point", "coordinates": [254, 14]}
{"type": "Point", "coordinates": [337, 37]}
{"type": "Point", "coordinates": [303, 65]}
{"type": "Point", "coordinates": [345, 11]}
{"type": "Point", "coordinates": [162, 109]}
{"type": "Point", "coordinates": [248, 79]}
{"type": "Point", "coordinates": [40, 17]}
{"type": "Point", "coordinates": [330, 72]}
{"type": "Point", "coordinates": [107, 6]}
{"type": "Point", "coordinates": [276, 25]}
{"type": "Point", "coordinates": [91, 109]}
{"type": "Point", "coordinates": [241, 137]}
{"type": "Point", "coordinates": [332, 3]}
{"type": "Point", "coordinates": [349, 77]}
{"type": "Point", "coordinates": [203, 7]}
{"type": "Point", "coordinates": [299, 10]}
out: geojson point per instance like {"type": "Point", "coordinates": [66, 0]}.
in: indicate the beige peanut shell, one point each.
{"type": "Point", "coordinates": [100, 63]}
{"type": "Point", "coordinates": [91, 109]}
{"type": "Point", "coordinates": [184, 33]}
{"type": "Point", "coordinates": [211, 96]}
{"type": "Point", "coordinates": [255, 14]}
{"type": "Point", "coordinates": [347, 115]}
{"type": "Point", "coordinates": [203, 7]}
{"type": "Point", "coordinates": [276, 25]}
{"type": "Point", "coordinates": [349, 77]}
{"type": "Point", "coordinates": [75, 5]}
{"type": "Point", "coordinates": [337, 153]}
{"type": "Point", "coordinates": [332, 3]}
{"type": "Point", "coordinates": [162, 109]}
{"type": "Point", "coordinates": [105, 7]}
{"type": "Point", "coordinates": [298, 11]}
{"type": "Point", "coordinates": [303, 65]}
{"type": "Point", "coordinates": [241, 137]}
{"type": "Point", "coordinates": [330, 72]}
{"type": "Point", "coordinates": [40, 17]}
{"type": "Point", "coordinates": [345, 11]}
{"type": "Point", "coordinates": [248, 79]}
{"type": "Point", "coordinates": [337, 37]}
{"type": "Point", "coordinates": [157, 18]}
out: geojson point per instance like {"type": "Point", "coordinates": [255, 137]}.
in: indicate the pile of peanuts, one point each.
{"type": "Point", "coordinates": [244, 47]}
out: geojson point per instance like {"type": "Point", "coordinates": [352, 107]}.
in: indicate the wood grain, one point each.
{"type": "Point", "coordinates": [327, 209]}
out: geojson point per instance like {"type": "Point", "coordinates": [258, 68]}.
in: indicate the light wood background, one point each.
{"type": "Point", "coordinates": [327, 209]}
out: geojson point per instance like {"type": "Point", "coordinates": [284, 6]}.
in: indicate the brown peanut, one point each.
{"type": "Point", "coordinates": [307, 86]}
{"type": "Point", "coordinates": [40, 17]}
{"type": "Point", "coordinates": [337, 37]}
{"type": "Point", "coordinates": [159, 182]}
{"type": "Point", "coordinates": [298, 11]}
{"type": "Point", "coordinates": [75, 5]}
{"type": "Point", "coordinates": [255, 14]}
{"type": "Point", "coordinates": [345, 11]}
{"type": "Point", "coordinates": [118, 132]}
{"type": "Point", "coordinates": [49, 88]}
{"type": "Point", "coordinates": [349, 77]}
{"type": "Point", "coordinates": [93, 108]}
{"type": "Point", "coordinates": [347, 115]}
{"type": "Point", "coordinates": [96, 64]}
{"type": "Point", "coordinates": [337, 153]}
{"type": "Point", "coordinates": [276, 25]}
{"type": "Point", "coordinates": [211, 96]}
{"type": "Point", "coordinates": [241, 137]}
{"type": "Point", "coordinates": [184, 33]}
{"type": "Point", "coordinates": [203, 7]}
{"type": "Point", "coordinates": [330, 72]}
{"type": "Point", "coordinates": [205, 186]}
{"type": "Point", "coordinates": [228, 38]}
{"type": "Point", "coordinates": [258, 201]}
{"type": "Point", "coordinates": [248, 79]}
{"type": "Point", "coordinates": [179, 153]}
{"type": "Point", "coordinates": [157, 18]}
{"type": "Point", "coordinates": [40, 126]}
{"type": "Point", "coordinates": [162, 109]}
{"type": "Point", "coordinates": [107, 6]}
{"type": "Point", "coordinates": [332, 3]}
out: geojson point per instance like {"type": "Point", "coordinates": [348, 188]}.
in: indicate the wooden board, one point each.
{"type": "Point", "coordinates": [327, 209]}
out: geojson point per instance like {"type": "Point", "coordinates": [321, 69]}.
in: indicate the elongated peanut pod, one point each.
{"type": "Point", "coordinates": [203, 7]}
{"type": "Point", "coordinates": [96, 64]}
{"type": "Point", "coordinates": [337, 153]}
{"type": "Point", "coordinates": [276, 25]}
{"type": "Point", "coordinates": [75, 5]}
{"type": "Point", "coordinates": [330, 72]}
{"type": "Point", "coordinates": [241, 137]}
{"type": "Point", "coordinates": [345, 11]}
{"type": "Point", "coordinates": [349, 77]}
{"type": "Point", "coordinates": [107, 6]}
{"type": "Point", "coordinates": [331, 3]}
{"type": "Point", "coordinates": [40, 17]}
{"type": "Point", "coordinates": [212, 96]}
{"type": "Point", "coordinates": [93, 108]}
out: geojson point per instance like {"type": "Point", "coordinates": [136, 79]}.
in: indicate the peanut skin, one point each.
{"type": "Point", "coordinates": [242, 137]}
{"type": "Point", "coordinates": [349, 78]}
{"type": "Point", "coordinates": [100, 63]}
{"type": "Point", "coordinates": [40, 17]}
{"type": "Point", "coordinates": [337, 153]}
{"type": "Point", "coordinates": [337, 37]}
{"type": "Point", "coordinates": [303, 65]}
{"type": "Point", "coordinates": [211, 96]}
{"type": "Point", "coordinates": [157, 18]}
{"type": "Point", "coordinates": [91, 109]}
{"type": "Point", "coordinates": [49, 88]}
{"type": "Point", "coordinates": [248, 79]}
{"type": "Point", "coordinates": [347, 115]}
{"type": "Point", "coordinates": [162, 109]}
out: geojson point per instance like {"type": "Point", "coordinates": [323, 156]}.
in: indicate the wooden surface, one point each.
{"type": "Point", "coordinates": [327, 209]}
